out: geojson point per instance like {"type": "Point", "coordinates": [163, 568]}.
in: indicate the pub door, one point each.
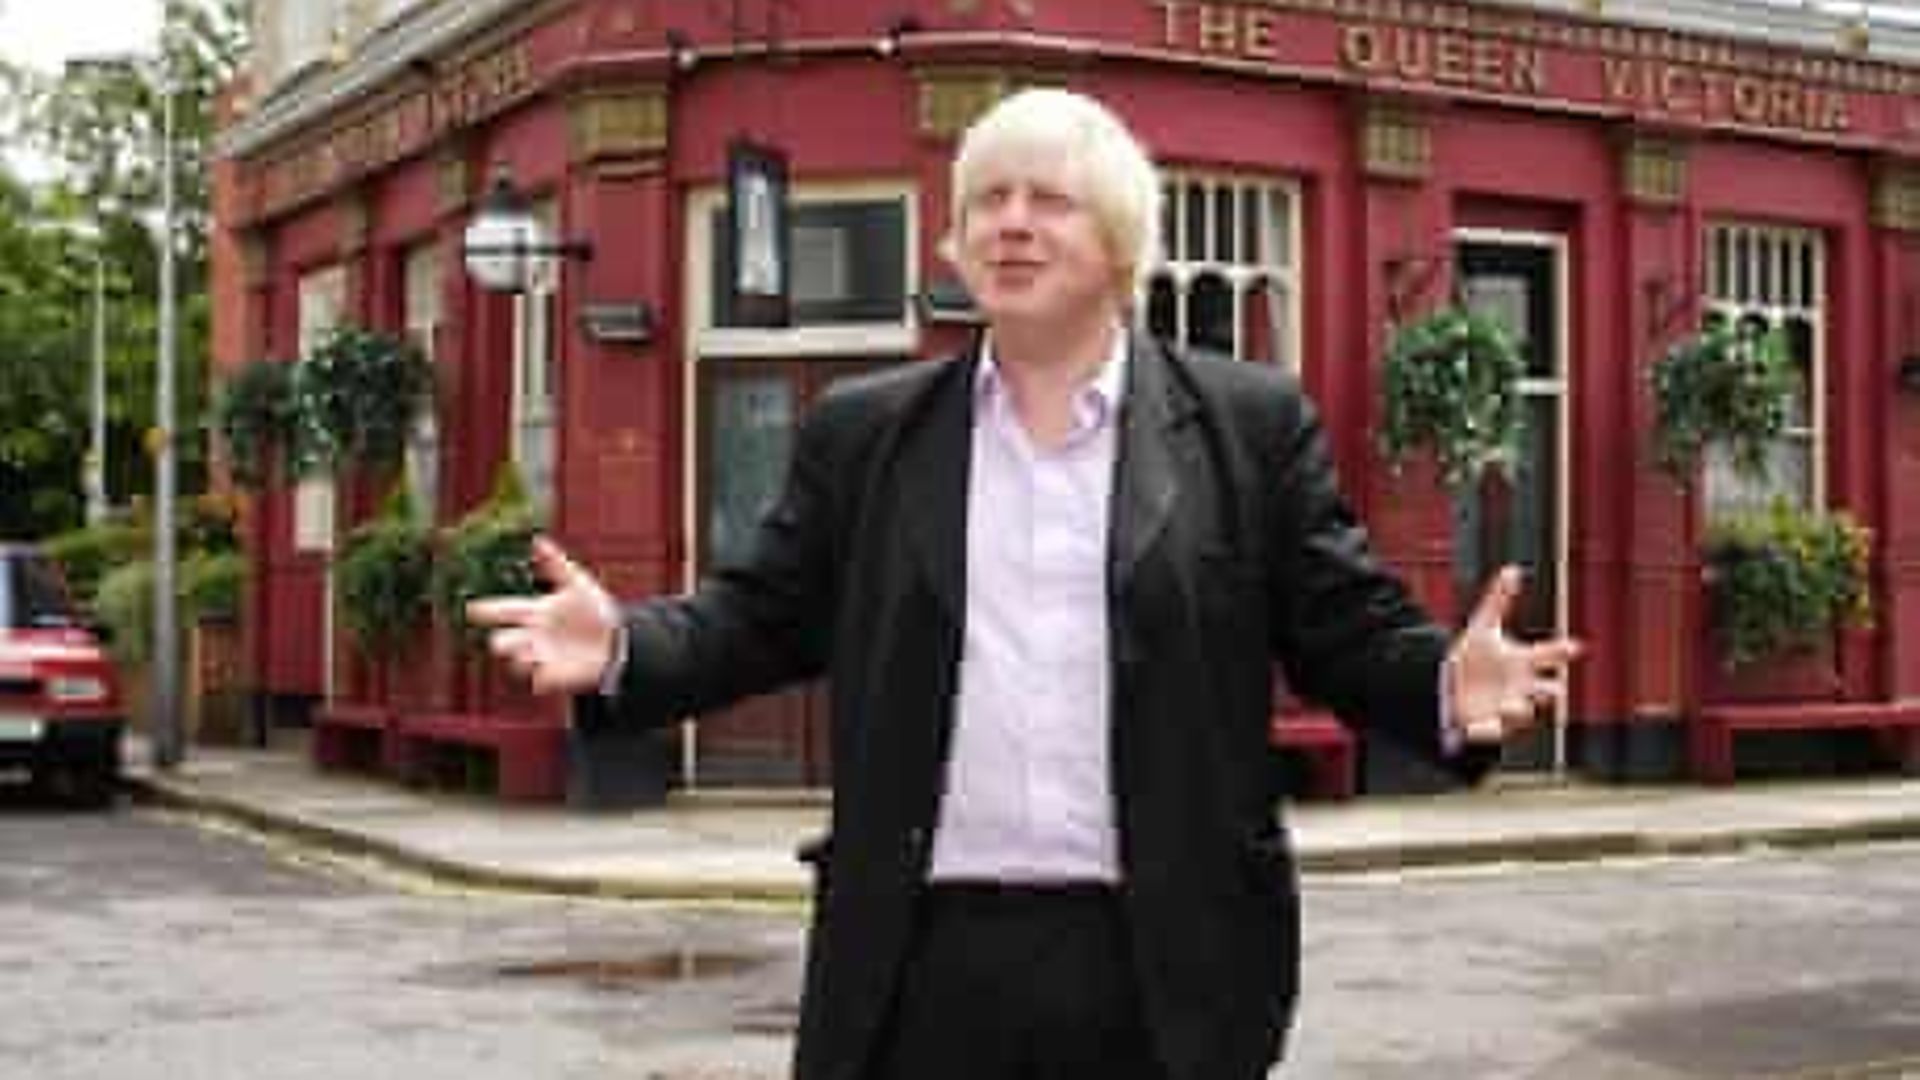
{"type": "Point", "coordinates": [749, 414]}
{"type": "Point", "coordinates": [1522, 518]}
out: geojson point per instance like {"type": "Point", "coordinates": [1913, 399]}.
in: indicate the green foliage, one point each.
{"type": "Point", "coordinates": [385, 575]}
{"type": "Point", "coordinates": [356, 399]}
{"type": "Point", "coordinates": [124, 602]}
{"type": "Point", "coordinates": [1450, 387]}
{"type": "Point", "coordinates": [212, 585]}
{"type": "Point", "coordinates": [86, 555]}
{"type": "Point", "coordinates": [95, 130]}
{"type": "Point", "coordinates": [254, 414]}
{"type": "Point", "coordinates": [1784, 580]}
{"type": "Point", "coordinates": [485, 553]}
{"type": "Point", "coordinates": [1726, 384]}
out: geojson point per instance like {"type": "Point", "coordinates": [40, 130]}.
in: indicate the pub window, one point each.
{"type": "Point", "coordinates": [535, 367]}
{"type": "Point", "coordinates": [849, 263]}
{"type": "Point", "coordinates": [1229, 278]}
{"type": "Point", "coordinates": [852, 251]}
{"type": "Point", "coordinates": [322, 299]}
{"type": "Point", "coordinates": [420, 269]}
{"type": "Point", "coordinates": [1761, 278]}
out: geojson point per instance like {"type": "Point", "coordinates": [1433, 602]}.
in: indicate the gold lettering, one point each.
{"type": "Point", "coordinates": [1261, 34]}
{"type": "Point", "coordinates": [1833, 115]}
{"type": "Point", "coordinates": [1450, 59]}
{"type": "Point", "coordinates": [1787, 99]}
{"type": "Point", "coordinates": [1489, 65]}
{"type": "Point", "coordinates": [1530, 71]}
{"type": "Point", "coordinates": [1413, 55]}
{"type": "Point", "coordinates": [1360, 48]}
{"type": "Point", "coordinates": [1619, 78]}
{"type": "Point", "coordinates": [1219, 29]}
{"type": "Point", "coordinates": [1750, 100]}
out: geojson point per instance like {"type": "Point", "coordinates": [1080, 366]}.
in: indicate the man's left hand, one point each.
{"type": "Point", "coordinates": [1494, 683]}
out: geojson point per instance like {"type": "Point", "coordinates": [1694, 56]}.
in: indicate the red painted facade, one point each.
{"type": "Point", "coordinates": [1508, 122]}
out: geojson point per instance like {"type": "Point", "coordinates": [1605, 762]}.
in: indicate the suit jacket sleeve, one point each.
{"type": "Point", "coordinates": [1346, 631]}
{"type": "Point", "coordinates": [752, 626]}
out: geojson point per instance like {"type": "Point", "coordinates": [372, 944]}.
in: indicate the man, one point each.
{"type": "Point", "coordinates": [1048, 580]}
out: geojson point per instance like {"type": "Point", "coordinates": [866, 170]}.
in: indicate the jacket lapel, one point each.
{"type": "Point", "coordinates": [933, 485]}
{"type": "Point", "coordinates": [1155, 438]}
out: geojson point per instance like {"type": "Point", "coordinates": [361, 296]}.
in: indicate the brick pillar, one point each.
{"type": "Point", "coordinates": [1660, 303]}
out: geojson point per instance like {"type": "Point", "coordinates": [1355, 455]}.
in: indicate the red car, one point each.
{"type": "Point", "coordinates": [61, 714]}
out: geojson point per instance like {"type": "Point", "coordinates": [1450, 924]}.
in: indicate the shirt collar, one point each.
{"type": "Point", "coordinates": [1095, 403]}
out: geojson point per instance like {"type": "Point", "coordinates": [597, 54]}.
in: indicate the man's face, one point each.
{"type": "Point", "coordinates": [1031, 249]}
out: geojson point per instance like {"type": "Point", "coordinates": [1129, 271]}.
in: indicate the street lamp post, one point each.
{"type": "Point", "coordinates": [169, 737]}
{"type": "Point", "coordinates": [169, 740]}
{"type": "Point", "coordinates": [95, 479]}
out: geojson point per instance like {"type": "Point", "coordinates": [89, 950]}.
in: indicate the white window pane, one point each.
{"type": "Point", "coordinates": [821, 270]}
{"type": "Point", "coordinates": [313, 516]}
{"type": "Point", "coordinates": [1279, 216]}
{"type": "Point", "coordinates": [1788, 476]}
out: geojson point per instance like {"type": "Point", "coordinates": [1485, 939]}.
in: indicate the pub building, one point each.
{"type": "Point", "coordinates": [1602, 176]}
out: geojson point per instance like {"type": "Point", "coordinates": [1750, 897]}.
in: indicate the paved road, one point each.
{"type": "Point", "coordinates": [138, 945]}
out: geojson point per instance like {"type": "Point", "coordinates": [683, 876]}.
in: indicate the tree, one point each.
{"type": "Point", "coordinates": [98, 129]}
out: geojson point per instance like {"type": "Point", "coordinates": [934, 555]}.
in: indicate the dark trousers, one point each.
{"type": "Point", "coordinates": [1018, 983]}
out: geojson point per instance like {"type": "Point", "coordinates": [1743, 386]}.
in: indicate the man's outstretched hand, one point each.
{"type": "Point", "coordinates": [561, 641]}
{"type": "Point", "coordinates": [1494, 683]}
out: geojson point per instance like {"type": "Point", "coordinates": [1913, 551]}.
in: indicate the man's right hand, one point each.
{"type": "Point", "coordinates": [563, 641]}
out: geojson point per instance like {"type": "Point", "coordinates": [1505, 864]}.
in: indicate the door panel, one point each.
{"type": "Point", "coordinates": [749, 414]}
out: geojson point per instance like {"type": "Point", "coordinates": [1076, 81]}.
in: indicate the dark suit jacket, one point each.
{"type": "Point", "coordinates": [1230, 548]}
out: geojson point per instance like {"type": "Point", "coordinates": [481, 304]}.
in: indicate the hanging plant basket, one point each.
{"type": "Point", "coordinates": [1451, 387]}
{"type": "Point", "coordinates": [1784, 580]}
{"type": "Point", "coordinates": [1730, 385]}
{"type": "Point", "coordinates": [487, 553]}
{"type": "Point", "coordinates": [385, 575]}
{"type": "Point", "coordinates": [254, 417]}
{"type": "Point", "coordinates": [356, 400]}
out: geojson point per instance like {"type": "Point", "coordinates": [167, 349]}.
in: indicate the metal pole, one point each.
{"type": "Point", "coordinates": [168, 744]}
{"type": "Point", "coordinates": [96, 478]}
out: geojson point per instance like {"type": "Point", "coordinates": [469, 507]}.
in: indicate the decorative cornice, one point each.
{"type": "Point", "coordinates": [1396, 142]}
{"type": "Point", "coordinates": [951, 99]}
{"type": "Point", "coordinates": [1896, 197]}
{"type": "Point", "coordinates": [618, 123]}
{"type": "Point", "coordinates": [1654, 170]}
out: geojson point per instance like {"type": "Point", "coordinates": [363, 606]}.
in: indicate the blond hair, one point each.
{"type": "Point", "coordinates": [1110, 168]}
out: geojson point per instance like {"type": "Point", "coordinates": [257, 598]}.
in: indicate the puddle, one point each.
{"type": "Point", "coordinates": [653, 969]}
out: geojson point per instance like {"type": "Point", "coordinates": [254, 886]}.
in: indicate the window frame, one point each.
{"type": "Point", "coordinates": [1287, 276]}
{"type": "Point", "coordinates": [1733, 290]}
{"type": "Point", "coordinates": [836, 339]}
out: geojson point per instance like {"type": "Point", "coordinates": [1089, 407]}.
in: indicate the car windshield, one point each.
{"type": "Point", "coordinates": [32, 595]}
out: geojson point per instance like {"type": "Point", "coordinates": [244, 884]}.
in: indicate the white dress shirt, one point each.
{"type": "Point", "coordinates": [1028, 795]}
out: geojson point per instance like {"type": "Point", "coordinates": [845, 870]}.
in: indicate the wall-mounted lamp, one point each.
{"type": "Point", "coordinates": [505, 244]}
{"type": "Point", "coordinates": [623, 323]}
{"type": "Point", "coordinates": [946, 300]}
{"type": "Point", "coordinates": [680, 50]}
{"type": "Point", "coordinates": [897, 31]}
